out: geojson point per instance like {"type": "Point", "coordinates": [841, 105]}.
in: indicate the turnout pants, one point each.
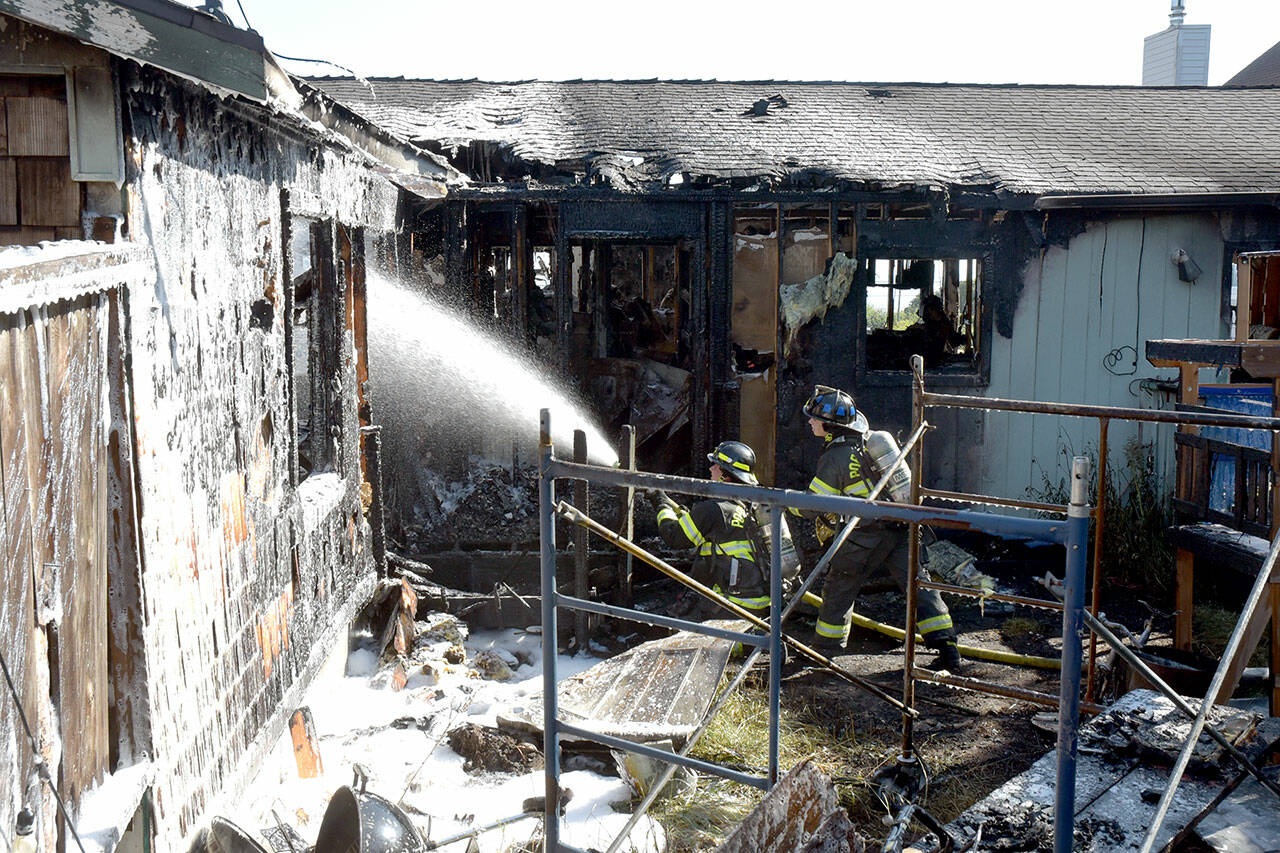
{"type": "Point", "coordinates": [740, 581]}
{"type": "Point", "coordinates": [867, 550]}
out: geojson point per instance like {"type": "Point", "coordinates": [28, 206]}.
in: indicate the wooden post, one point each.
{"type": "Point", "coordinates": [1100, 523]}
{"type": "Point", "coordinates": [1275, 646]}
{"type": "Point", "coordinates": [1249, 644]}
{"type": "Point", "coordinates": [1244, 297]}
{"type": "Point", "coordinates": [562, 269]}
{"type": "Point", "coordinates": [581, 544]}
{"type": "Point", "coordinates": [623, 596]}
{"type": "Point", "coordinates": [1185, 600]}
{"type": "Point", "coordinates": [518, 269]}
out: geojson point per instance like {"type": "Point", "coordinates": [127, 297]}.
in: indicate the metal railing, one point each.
{"type": "Point", "coordinates": [923, 399]}
{"type": "Point", "coordinates": [1071, 533]}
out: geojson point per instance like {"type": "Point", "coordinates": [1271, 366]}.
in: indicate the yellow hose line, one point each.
{"type": "Point", "coordinates": [974, 652]}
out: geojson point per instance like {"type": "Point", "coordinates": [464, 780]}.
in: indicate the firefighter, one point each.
{"type": "Point", "coordinates": [726, 560]}
{"type": "Point", "coordinates": [845, 468]}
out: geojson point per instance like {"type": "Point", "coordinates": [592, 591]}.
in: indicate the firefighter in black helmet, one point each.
{"type": "Point", "coordinates": [725, 560]}
{"type": "Point", "coordinates": [845, 468]}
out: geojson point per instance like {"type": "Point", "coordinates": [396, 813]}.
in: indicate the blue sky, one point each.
{"type": "Point", "coordinates": [979, 41]}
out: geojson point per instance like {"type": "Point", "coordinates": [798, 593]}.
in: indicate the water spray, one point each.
{"type": "Point", "coordinates": [449, 383]}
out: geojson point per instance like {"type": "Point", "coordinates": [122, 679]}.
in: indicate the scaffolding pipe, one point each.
{"type": "Point", "coordinates": [1008, 598]}
{"type": "Point", "coordinates": [775, 639]}
{"type": "Point", "coordinates": [976, 685]}
{"type": "Point", "coordinates": [550, 700]}
{"type": "Point", "coordinates": [913, 566]}
{"type": "Point", "coordinates": [1064, 806]}
{"type": "Point", "coordinates": [1081, 410]}
{"type": "Point", "coordinates": [1256, 596]}
{"type": "Point", "coordinates": [1005, 526]}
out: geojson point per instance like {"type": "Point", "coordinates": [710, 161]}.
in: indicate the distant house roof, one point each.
{"type": "Point", "coordinates": [1018, 139]}
{"type": "Point", "coordinates": [1263, 71]}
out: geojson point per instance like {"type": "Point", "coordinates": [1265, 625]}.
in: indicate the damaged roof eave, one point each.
{"type": "Point", "coordinates": [166, 35]}
{"type": "Point", "coordinates": [1158, 201]}
{"type": "Point", "coordinates": [982, 197]}
{"type": "Point", "coordinates": [410, 166]}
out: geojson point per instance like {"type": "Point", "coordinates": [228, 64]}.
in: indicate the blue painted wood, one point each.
{"type": "Point", "coordinates": [1113, 286]}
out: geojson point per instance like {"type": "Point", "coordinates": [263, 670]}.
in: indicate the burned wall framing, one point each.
{"type": "Point", "coordinates": [703, 218]}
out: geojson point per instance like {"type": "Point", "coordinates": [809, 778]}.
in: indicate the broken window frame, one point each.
{"type": "Point", "coordinates": [975, 374]}
{"type": "Point", "coordinates": [315, 444]}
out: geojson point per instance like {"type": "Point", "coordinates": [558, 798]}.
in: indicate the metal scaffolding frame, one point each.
{"type": "Point", "coordinates": [1075, 617]}
{"type": "Point", "coordinates": [923, 399]}
{"type": "Point", "coordinates": [1071, 533]}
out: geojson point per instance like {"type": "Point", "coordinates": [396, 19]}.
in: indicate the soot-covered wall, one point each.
{"type": "Point", "coordinates": [246, 575]}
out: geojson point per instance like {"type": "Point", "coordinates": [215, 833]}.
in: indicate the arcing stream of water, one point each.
{"type": "Point", "coordinates": [457, 389]}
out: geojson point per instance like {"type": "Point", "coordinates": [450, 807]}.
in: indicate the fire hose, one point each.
{"type": "Point", "coordinates": [976, 652]}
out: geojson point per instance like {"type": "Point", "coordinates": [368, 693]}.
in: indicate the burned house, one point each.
{"type": "Point", "coordinates": [186, 483]}
{"type": "Point", "coordinates": [730, 244]}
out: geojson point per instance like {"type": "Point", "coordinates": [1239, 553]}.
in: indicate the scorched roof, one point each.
{"type": "Point", "coordinates": [1019, 139]}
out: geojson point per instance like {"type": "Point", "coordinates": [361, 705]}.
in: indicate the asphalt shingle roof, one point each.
{"type": "Point", "coordinates": [1022, 139]}
{"type": "Point", "coordinates": [1263, 71]}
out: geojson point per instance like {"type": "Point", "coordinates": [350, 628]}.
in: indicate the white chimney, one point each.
{"type": "Point", "coordinates": [1178, 56]}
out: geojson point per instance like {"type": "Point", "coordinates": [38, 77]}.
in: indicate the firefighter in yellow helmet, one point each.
{"type": "Point", "coordinates": [725, 560]}
{"type": "Point", "coordinates": [846, 468]}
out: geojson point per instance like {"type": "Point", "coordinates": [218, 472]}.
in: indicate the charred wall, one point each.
{"type": "Point", "coordinates": [246, 571]}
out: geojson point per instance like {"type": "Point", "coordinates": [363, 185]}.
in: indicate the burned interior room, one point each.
{"type": "Point", "coordinates": [700, 290]}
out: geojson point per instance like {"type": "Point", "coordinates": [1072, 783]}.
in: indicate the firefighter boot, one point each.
{"type": "Point", "coordinates": [948, 657]}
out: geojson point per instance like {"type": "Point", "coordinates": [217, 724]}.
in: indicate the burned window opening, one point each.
{"type": "Point", "coordinates": [313, 354]}
{"type": "Point", "coordinates": [929, 306]}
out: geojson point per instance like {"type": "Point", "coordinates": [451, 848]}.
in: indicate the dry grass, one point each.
{"type": "Point", "coordinates": [698, 820]}
{"type": "Point", "coordinates": [1212, 626]}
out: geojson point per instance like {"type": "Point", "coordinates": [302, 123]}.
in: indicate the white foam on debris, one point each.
{"type": "Point", "coordinates": [413, 764]}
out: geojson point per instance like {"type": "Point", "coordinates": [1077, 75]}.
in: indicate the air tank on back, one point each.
{"type": "Point", "coordinates": [790, 558]}
{"type": "Point", "coordinates": [884, 451]}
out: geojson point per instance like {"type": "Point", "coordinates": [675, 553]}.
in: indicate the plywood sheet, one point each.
{"type": "Point", "coordinates": [46, 194]}
{"type": "Point", "coordinates": [1118, 768]}
{"type": "Point", "coordinates": [754, 316]}
{"type": "Point", "coordinates": [1246, 820]}
{"type": "Point", "coordinates": [659, 690]}
{"type": "Point", "coordinates": [73, 441]}
{"type": "Point", "coordinates": [805, 255]}
{"type": "Point", "coordinates": [758, 422]}
{"type": "Point", "coordinates": [37, 127]}
{"type": "Point", "coordinates": [663, 684]}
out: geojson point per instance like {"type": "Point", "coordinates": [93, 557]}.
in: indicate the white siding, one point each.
{"type": "Point", "coordinates": [1113, 286]}
{"type": "Point", "coordinates": [1177, 56]}
{"type": "Point", "coordinates": [1159, 55]}
{"type": "Point", "coordinates": [1193, 56]}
